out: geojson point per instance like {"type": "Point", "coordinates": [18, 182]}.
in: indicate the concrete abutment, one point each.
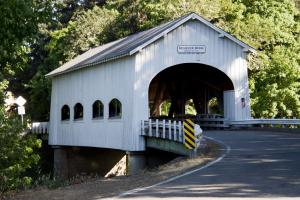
{"type": "Point", "coordinates": [72, 161]}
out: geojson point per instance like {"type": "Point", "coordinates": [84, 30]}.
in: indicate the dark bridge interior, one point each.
{"type": "Point", "coordinates": [193, 84]}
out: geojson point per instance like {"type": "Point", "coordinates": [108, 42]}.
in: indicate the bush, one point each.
{"type": "Point", "coordinates": [17, 153]}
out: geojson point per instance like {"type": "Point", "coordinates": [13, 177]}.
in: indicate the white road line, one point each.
{"type": "Point", "coordinates": [228, 149]}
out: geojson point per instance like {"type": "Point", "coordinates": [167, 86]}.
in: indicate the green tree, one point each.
{"type": "Point", "coordinates": [86, 29]}
{"type": "Point", "coordinates": [276, 88]}
{"type": "Point", "coordinates": [19, 23]}
{"type": "Point", "coordinates": [276, 35]}
{"type": "Point", "coordinates": [274, 71]}
{"type": "Point", "coordinates": [17, 151]}
{"type": "Point", "coordinates": [165, 107]}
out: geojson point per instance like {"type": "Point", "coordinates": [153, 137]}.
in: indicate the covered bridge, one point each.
{"type": "Point", "coordinates": [100, 98]}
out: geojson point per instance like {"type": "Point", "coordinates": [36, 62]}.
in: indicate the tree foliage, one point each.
{"type": "Point", "coordinates": [19, 22]}
{"type": "Point", "coordinates": [17, 154]}
{"type": "Point", "coordinates": [271, 26]}
{"type": "Point", "coordinates": [274, 71]}
{"type": "Point", "coordinates": [86, 29]}
{"type": "Point", "coordinates": [17, 151]}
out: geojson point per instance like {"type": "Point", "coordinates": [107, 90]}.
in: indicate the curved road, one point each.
{"type": "Point", "coordinates": [260, 165]}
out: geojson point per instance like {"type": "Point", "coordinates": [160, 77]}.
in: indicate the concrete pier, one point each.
{"type": "Point", "coordinates": [136, 161]}
{"type": "Point", "coordinates": [60, 163]}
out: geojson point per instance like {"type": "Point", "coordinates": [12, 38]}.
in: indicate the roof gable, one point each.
{"type": "Point", "coordinates": [134, 43]}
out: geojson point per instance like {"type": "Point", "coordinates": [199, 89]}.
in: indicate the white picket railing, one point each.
{"type": "Point", "coordinates": [164, 129]}
{"type": "Point", "coordinates": [40, 127]}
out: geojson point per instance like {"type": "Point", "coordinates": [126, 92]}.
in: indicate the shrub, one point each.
{"type": "Point", "coordinates": [17, 153]}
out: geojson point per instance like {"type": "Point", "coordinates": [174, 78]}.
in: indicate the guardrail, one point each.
{"type": "Point", "coordinates": [281, 123]}
{"type": "Point", "coordinates": [40, 127]}
{"type": "Point", "coordinates": [204, 120]}
{"type": "Point", "coordinates": [165, 129]}
{"type": "Point", "coordinates": [221, 123]}
{"type": "Point", "coordinates": [213, 122]}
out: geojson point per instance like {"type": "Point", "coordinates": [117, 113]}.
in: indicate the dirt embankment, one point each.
{"type": "Point", "coordinates": [107, 187]}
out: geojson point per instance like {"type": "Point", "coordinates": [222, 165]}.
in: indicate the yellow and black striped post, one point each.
{"type": "Point", "coordinates": [189, 134]}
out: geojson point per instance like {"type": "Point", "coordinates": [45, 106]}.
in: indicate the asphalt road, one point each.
{"type": "Point", "coordinates": [260, 165]}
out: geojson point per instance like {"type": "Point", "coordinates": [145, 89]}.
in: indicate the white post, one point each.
{"type": "Point", "coordinates": [40, 128]}
{"type": "Point", "coordinates": [143, 128]}
{"type": "Point", "coordinates": [156, 131]}
{"type": "Point", "coordinates": [164, 129]}
{"type": "Point", "coordinates": [180, 132]}
{"type": "Point", "coordinates": [272, 123]}
{"type": "Point", "coordinates": [44, 128]}
{"type": "Point", "coordinates": [174, 125]}
{"type": "Point", "coordinates": [283, 125]}
{"type": "Point", "coordinates": [170, 130]}
{"type": "Point", "coordinates": [20, 101]}
{"type": "Point", "coordinates": [150, 127]}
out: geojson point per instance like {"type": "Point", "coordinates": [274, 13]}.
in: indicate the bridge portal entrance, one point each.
{"type": "Point", "coordinates": [188, 89]}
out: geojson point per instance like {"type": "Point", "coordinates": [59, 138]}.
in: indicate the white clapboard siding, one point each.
{"type": "Point", "coordinates": [229, 104]}
{"type": "Point", "coordinates": [104, 82]}
{"type": "Point", "coordinates": [128, 79]}
{"type": "Point", "coordinates": [221, 53]}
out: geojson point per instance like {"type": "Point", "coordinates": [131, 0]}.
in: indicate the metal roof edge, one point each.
{"type": "Point", "coordinates": [49, 75]}
{"type": "Point", "coordinates": [182, 21]}
{"type": "Point", "coordinates": [228, 35]}
{"type": "Point", "coordinates": [204, 21]}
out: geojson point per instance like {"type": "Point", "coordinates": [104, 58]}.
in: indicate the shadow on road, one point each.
{"type": "Point", "coordinates": [261, 164]}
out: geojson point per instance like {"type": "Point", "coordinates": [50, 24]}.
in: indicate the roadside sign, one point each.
{"type": "Point", "coordinates": [21, 110]}
{"type": "Point", "coordinates": [20, 101]}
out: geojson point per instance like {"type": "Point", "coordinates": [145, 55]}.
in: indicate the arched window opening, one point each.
{"type": "Point", "coordinates": [78, 111]}
{"type": "Point", "coordinates": [164, 108]}
{"type": "Point", "coordinates": [98, 109]}
{"type": "Point", "coordinates": [65, 113]}
{"type": "Point", "coordinates": [214, 106]}
{"type": "Point", "coordinates": [190, 107]}
{"type": "Point", "coordinates": [115, 109]}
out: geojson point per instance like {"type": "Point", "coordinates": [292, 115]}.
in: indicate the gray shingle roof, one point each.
{"type": "Point", "coordinates": [129, 45]}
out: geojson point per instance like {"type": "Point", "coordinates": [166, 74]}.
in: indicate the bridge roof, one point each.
{"type": "Point", "coordinates": [132, 44]}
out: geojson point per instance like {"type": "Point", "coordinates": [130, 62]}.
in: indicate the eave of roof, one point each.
{"type": "Point", "coordinates": [204, 21]}
{"type": "Point", "coordinates": [132, 44]}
